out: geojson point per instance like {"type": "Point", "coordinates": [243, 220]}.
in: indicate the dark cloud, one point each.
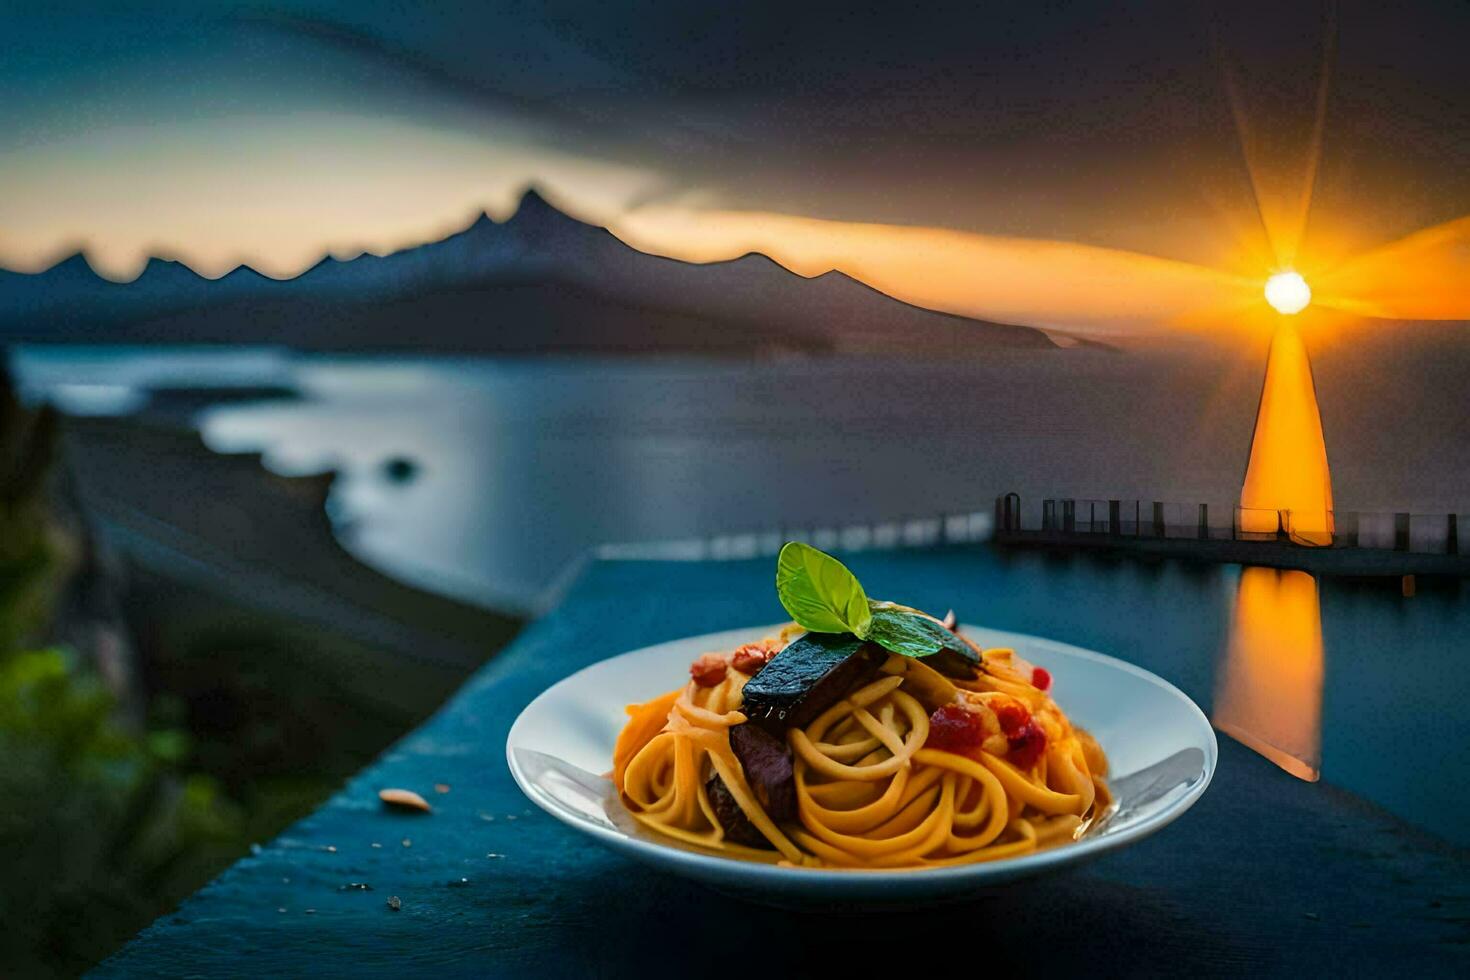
{"type": "Point", "coordinates": [1102, 123]}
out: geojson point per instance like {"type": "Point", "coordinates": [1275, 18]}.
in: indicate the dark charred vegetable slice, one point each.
{"type": "Point", "coordinates": [805, 678]}
{"type": "Point", "coordinates": [737, 825]}
{"type": "Point", "coordinates": [959, 660]}
{"type": "Point", "coordinates": [766, 761]}
{"type": "Point", "coordinates": [966, 648]}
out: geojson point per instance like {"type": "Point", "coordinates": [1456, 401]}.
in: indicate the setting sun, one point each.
{"type": "Point", "coordinates": [1288, 293]}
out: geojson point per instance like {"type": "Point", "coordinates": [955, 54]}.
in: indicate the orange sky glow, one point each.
{"type": "Point", "coordinates": [238, 197]}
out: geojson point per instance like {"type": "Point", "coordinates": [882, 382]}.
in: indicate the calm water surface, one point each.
{"type": "Point", "coordinates": [524, 465]}
{"type": "Point", "coordinates": [1346, 679]}
{"type": "Point", "coordinates": [521, 466]}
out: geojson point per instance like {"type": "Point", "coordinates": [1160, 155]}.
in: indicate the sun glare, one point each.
{"type": "Point", "coordinates": [1288, 293]}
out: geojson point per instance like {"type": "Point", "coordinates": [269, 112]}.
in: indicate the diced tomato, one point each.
{"type": "Point", "coordinates": [954, 728]}
{"type": "Point", "coordinates": [1041, 678]}
{"type": "Point", "coordinates": [1027, 744]}
{"type": "Point", "coordinates": [708, 670]}
{"type": "Point", "coordinates": [750, 658]}
{"type": "Point", "coordinates": [1012, 715]}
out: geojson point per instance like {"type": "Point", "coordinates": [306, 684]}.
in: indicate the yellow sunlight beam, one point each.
{"type": "Point", "coordinates": [1288, 470]}
{"type": "Point", "coordinates": [1423, 276]}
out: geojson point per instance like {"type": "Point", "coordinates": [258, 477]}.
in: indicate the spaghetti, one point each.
{"type": "Point", "coordinates": [904, 768]}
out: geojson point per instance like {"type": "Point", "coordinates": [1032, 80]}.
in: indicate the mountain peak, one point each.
{"type": "Point", "coordinates": [533, 201]}
{"type": "Point", "coordinates": [533, 219]}
{"type": "Point", "coordinates": [158, 266]}
{"type": "Point", "coordinates": [537, 215]}
{"type": "Point", "coordinates": [74, 264]}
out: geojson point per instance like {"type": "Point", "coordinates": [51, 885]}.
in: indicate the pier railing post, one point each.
{"type": "Point", "coordinates": [1008, 512]}
{"type": "Point", "coordinates": [1115, 516]}
{"type": "Point", "coordinates": [1204, 520]}
{"type": "Point", "coordinates": [1158, 518]}
{"type": "Point", "coordinates": [1069, 516]}
{"type": "Point", "coordinates": [1452, 540]}
{"type": "Point", "coordinates": [1048, 515]}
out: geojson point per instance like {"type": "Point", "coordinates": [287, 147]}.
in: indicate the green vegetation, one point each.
{"type": "Point", "coordinates": [156, 719]}
{"type": "Point", "coordinates": [102, 826]}
{"type": "Point", "coordinates": [101, 829]}
{"type": "Point", "coordinates": [29, 569]}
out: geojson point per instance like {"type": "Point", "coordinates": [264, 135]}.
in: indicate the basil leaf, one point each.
{"type": "Point", "coordinates": [906, 632]}
{"type": "Point", "coordinates": [819, 592]}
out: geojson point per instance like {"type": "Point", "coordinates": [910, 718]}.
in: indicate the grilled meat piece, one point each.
{"type": "Point", "coordinates": [766, 761]}
{"type": "Point", "coordinates": [738, 827]}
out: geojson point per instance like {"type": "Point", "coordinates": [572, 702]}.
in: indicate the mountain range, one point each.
{"type": "Point", "coordinates": [541, 281]}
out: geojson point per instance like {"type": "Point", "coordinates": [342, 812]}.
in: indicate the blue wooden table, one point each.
{"type": "Point", "coordinates": [1267, 874]}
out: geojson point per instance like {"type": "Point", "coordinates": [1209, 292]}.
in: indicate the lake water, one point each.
{"type": "Point", "coordinates": [520, 467]}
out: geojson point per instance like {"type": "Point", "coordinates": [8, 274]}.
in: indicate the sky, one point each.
{"type": "Point", "coordinates": [1075, 165]}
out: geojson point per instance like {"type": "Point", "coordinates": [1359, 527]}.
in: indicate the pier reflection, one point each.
{"type": "Point", "coordinates": [1268, 690]}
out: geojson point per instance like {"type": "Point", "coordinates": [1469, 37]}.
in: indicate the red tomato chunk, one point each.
{"type": "Point", "coordinates": [955, 729]}
{"type": "Point", "coordinates": [750, 658]}
{"type": "Point", "coordinates": [1027, 745]}
{"type": "Point", "coordinates": [708, 670]}
{"type": "Point", "coordinates": [1013, 717]}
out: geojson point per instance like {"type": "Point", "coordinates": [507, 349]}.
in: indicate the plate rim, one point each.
{"type": "Point", "coordinates": [733, 869]}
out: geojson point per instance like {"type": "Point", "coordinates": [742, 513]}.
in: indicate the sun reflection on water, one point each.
{"type": "Point", "coordinates": [1268, 691]}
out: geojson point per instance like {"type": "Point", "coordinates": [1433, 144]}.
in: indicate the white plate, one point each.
{"type": "Point", "coordinates": [1160, 748]}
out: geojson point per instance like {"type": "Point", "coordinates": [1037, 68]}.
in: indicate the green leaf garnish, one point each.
{"type": "Point", "coordinates": [821, 595]}
{"type": "Point", "coordinates": [819, 592]}
{"type": "Point", "coordinates": [910, 633]}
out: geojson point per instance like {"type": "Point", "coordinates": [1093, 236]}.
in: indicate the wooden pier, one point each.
{"type": "Point", "coordinates": [1393, 546]}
